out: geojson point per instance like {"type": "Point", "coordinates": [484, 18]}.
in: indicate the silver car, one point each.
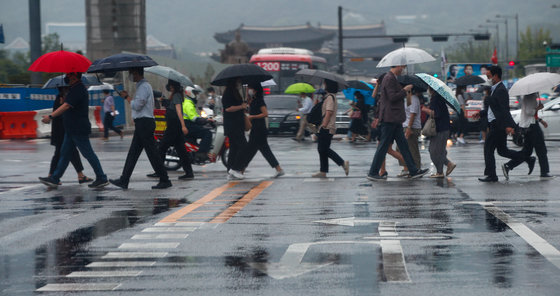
{"type": "Point", "coordinates": [551, 114]}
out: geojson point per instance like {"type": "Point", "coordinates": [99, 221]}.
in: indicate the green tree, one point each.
{"type": "Point", "coordinates": [51, 42]}
{"type": "Point", "coordinates": [469, 52]}
{"type": "Point", "coordinates": [532, 49]}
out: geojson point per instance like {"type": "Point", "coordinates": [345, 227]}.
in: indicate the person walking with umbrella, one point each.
{"type": "Point", "coordinates": [500, 124]}
{"type": "Point", "coordinates": [110, 113]}
{"type": "Point", "coordinates": [57, 138]}
{"type": "Point", "coordinates": [462, 121]}
{"type": "Point", "coordinates": [259, 133]}
{"type": "Point", "coordinates": [234, 127]}
{"type": "Point", "coordinates": [176, 130]}
{"type": "Point", "coordinates": [390, 118]}
{"type": "Point", "coordinates": [327, 129]}
{"type": "Point", "coordinates": [143, 138]}
{"type": "Point", "coordinates": [75, 110]}
{"type": "Point", "coordinates": [438, 152]}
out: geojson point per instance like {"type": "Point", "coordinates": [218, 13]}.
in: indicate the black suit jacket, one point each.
{"type": "Point", "coordinates": [499, 103]}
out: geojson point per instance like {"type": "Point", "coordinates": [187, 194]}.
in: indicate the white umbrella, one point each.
{"type": "Point", "coordinates": [269, 82]}
{"type": "Point", "coordinates": [405, 56]}
{"type": "Point", "coordinates": [534, 83]}
{"type": "Point", "coordinates": [104, 86]}
{"type": "Point", "coordinates": [170, 73]}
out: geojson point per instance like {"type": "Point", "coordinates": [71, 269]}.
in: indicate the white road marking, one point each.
{"type": "Point", "coordinates": [121, 264]}
{"type": "Point", "coordinates": [130, 255]}
{"type": "Point", "coordinates": [22, 188]}
{"type": "Point", "coordinates": [160, 236]}
{"type": "Point", "coordinates": [169, 229]}
{"type": "Point", "coordinates": [79, 287]}
{"type": "Point", "coordinates": [385, 228]}
{"type": "Point", "coordinates": [149, 245]}
{"type": "Point", "coordinates": [318, 180]}
{"type": "Point", "coordinates": [91, 274]}
{"type": "Point", "coordinates": [394, 265]}
{"type": "Point", "coordinates": [534, 240]}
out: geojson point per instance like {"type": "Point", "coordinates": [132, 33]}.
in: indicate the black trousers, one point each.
{"type": "Point", "coordinates": [75, 160]}
{"type": "Point", "coordinates": [173, 136]}
{"type": "Point", "coordinates": [237, 147]}
{"type": "Point", "coordinates": [199, 132]}
{"type": "Point", "coordinates": [258, 141]}
{"type": "Point", "coordinates": [143, 139]}
{"type": "Point", "coordinates": [108, 124]}
{"type": "Point", "coordinates": [534, 139]}
{"type": "Point", "coordinates": [497, 140]}
{"type": "Point", "coordinates": [325, 151]}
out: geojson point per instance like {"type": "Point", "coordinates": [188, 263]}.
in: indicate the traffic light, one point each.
{"type": "Point", "coordinates": [512, 63]}
{"type": "Point", "coordinates": [435, 75]}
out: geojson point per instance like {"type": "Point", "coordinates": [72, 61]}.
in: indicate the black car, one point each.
{"type": "Point", "coordinates": [282, 113]}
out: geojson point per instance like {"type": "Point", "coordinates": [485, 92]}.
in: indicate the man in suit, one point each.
{"type": "Point", "coordinates": [500, 124]}
{"type": "Point", "coordinates": [390, 118]}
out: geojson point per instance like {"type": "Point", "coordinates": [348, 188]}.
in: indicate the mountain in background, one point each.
{"type": "Point", "coordinates": [190, 25]}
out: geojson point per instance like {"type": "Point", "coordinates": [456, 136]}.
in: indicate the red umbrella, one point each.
{"type": "Point", "coordinates": [60, 61]}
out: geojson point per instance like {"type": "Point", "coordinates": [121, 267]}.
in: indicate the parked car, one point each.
{"type": "Point", "coordinates": [282, 113]}
{"type": "Point", "coordinates": [551, 114]}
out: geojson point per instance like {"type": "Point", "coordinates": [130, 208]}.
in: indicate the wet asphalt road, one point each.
{"type": "Point", "coordinates": [288, 236]}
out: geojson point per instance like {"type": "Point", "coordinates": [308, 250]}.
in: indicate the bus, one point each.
{"type": "Point", "coordinates": [283, 63]}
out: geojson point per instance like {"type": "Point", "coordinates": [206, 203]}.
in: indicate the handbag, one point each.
{"type": "Point", "coordinates": [429, 129]}
{"type": "Point", "coordinates": [248, 124]}
{"type": "Point", "coordinates": [356, 114]}
{"type": "Point", "coordinates": [518, 137]}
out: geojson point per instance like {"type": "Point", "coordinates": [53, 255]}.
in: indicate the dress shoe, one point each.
{"type": "Point", "coordinates": [547, 176]}
{"type": "Point", "coordinates": [377, 177]}
{"type": "Point", "coordinates": [50, 182]}
{"type": "Point", "coordinates": [531, 163]}
{"type": "Point", "coordinates": [186, 177]}
{"type": "Point", "coordinates": [119, 183]}
{"type": "Point", "coordinates": [162, 185]}
{"type": "Point", "coordinates": [505, 170]}
{"type": "Point", "coordinates": [488, 179]}
{"type": "Point", "coordinates": [152, 175]}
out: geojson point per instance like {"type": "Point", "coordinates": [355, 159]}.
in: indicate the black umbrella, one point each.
{"type": "Point", "coordinates": [247, 72]}
{"type": "Point", "coordinates": [414, 80]}
{"type": "Point", "coordinates": [357, 84]}
{"type": "Point", "coordinates": [58, 81]}
{"type": "Point", "coordinates": [469, 80]}
{"type": "Point", "coordinates": [316, 77]}
{"type": "Point", "coordinates": [121, 62]}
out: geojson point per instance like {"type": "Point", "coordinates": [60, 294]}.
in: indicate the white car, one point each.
{"type": "Point", "coordinates": [551, 114]}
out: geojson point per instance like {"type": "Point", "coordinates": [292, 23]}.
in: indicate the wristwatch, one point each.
{"type": "Point", "coordinates": [50, 116]}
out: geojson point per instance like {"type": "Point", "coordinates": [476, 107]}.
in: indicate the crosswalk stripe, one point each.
{"type": "Point", "coordinates": [149, 245]}
{"type": "Point", "coordinates": [121, 273]}
{"type": "Point", "coordinates": [121, 264]}
{"type": "Point", "coordinates": [79, 287]}
{"type": "Point", "coordinates": [112, 255]}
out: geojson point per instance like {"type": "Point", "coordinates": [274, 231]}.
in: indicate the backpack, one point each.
{"type": "Point", "coordinates": [316, 115]}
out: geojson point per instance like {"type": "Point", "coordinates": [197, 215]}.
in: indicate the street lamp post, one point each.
{"type": "Point", "coordinates": [497, 45]}
{"type": "Point", "coordinates": [516, 18]}
{"type": "Point", "coordinates": [507, 41]}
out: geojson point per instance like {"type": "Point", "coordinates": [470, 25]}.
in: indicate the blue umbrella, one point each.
{"type": "Point", "coordinates": [349, 93]}
{"type": "Point", "coordinates": [121, 62]}
{"type": "Point", "coordinates": [58, 81]}
{"type": "Point", "coordinates": [441, 88]}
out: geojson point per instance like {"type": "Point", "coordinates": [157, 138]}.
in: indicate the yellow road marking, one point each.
{"type": "Point", "coordinates": [189, 208]}
{"type": "Point", "coordinates": [239, 205]}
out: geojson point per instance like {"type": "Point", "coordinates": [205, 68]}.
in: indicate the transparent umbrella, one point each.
{"type": "Point", "coordinates": [405, 56]}
{"type": "Point", "coordinates": [170, 73]}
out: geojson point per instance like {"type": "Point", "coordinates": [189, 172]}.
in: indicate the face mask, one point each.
{"type": "Point", "coordinates": [251, 92]}
{"type": "Point", "coordinates": [130, 77]}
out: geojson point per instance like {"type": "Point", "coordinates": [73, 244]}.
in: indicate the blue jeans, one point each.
{"type": "Point", "coordinates": [391, 132]}
{"type": "Point", "coordinates": [81, 142]}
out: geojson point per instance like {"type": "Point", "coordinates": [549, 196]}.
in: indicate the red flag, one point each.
{"type": "Point", "coordinates": [495, 57]}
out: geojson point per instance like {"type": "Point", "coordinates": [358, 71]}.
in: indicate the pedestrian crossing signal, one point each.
{"type": "Point", "coordinates": [436, 76]}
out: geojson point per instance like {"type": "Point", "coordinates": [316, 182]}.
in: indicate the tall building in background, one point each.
{"type": "Point", "coordinates": [114, 26]}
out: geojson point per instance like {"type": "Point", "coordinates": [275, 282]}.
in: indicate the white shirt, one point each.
{"type": "Point", "coordinates": [491, 116]}
{"type": "Point", "coordinates": [413, 108]}
{"type": "Point", "coordinates": [307, 106]}
{"type": "Point", "coordinates": [528, 109]}
{"type": "Point", "coordinates": [143, 103]}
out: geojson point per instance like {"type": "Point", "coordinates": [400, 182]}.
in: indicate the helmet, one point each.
{"type": "Point", "coordinates": [191, 92]}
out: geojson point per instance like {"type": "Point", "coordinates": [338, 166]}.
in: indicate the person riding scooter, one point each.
{"type": "Point", "coordinates": [195, 124]}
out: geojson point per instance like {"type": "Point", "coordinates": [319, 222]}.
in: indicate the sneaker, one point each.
{"type": "Point", "coordinates": [99, 183]}
{"type": "Point", "coordinates": [505, 170]}
{"type": "Point", "coordinates": [279, 173]}
{"type": "Point", "coordinates": [186, 177]}
{"type": "Point", "coordinates": [346, 167]}
{"type": "Point", "coordinates": [152, 175]}
{"type": "Point", "coordinates": [437, 176]}
{"type": "Point", "coordinates": [547, 176]}
{"type": "Point", "coordinates": [531, 162]}
{"type": "Point", "coordinates": [237, 174]}
{"type": "Point", "coordinates": [481, 142]}
{"type": "Point", "coordinates": [376, 177]}
{"type": "Point", "coordinates": [49, 182]}
{"type": "Point", "coordinates": [162, 185]}
{"type": "Point", "coordinates": [119, 183]}
{"type": "Point", "coordinates": [319, 175]}
{"type": "Point", "coordinates": [419, 173]}
{"type": "Point", "coordinates": [461, 140]}
{"type": "Point", "coordinates": [450, 167]}
{"type": "Point", "coordinates": [403, 174]}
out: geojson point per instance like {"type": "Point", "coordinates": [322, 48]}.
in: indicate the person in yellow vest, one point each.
{"type": "Point", "coordinates": [195, 124]}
